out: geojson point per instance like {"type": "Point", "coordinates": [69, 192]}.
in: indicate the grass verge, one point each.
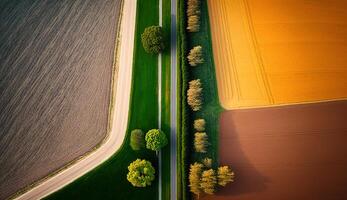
{"type": "Point", "coordinates": [165, 99]}
{"type": "Point", "coordinates": [108, 181]}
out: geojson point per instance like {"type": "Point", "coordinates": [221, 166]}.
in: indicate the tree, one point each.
{"type": "Point", "coordinates": [194, 93]}
{"type": "Point", "coordinates": [199, 125]}
{"type": "Point", "coordinates": [208, 181]}
{"type": "Point", "coordinates": [195, 56]}
{"type": "Point", "coordinates": [193, 23]}
{"type": "Point", "coordinates": [225, 175]}
{"type": "Point", "coordinates": [155, 139]}
{"type": "Point", "coordinates": [153, 40]}
{"type": "Point", "coordinates": [193, 13]}
{"type": "Point", "coordinates": [194, 178]}
{"type": "Point", "coordinates": [137, 139]}
{"type": "Point", "coordinates": [193, 7]}
{"type": "Point", "coordinates": [207, 162]}
{"type": "Point", "coordinates": [200, 142]}
{"type": "Point", "coordinates": [141, 173]}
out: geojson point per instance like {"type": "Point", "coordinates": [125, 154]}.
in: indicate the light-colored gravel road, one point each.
{"type": "Point", "coordinates": [120, 118]}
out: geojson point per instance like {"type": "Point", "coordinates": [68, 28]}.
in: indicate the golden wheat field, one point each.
{"type": "Point", "coordinates": [279, 51]}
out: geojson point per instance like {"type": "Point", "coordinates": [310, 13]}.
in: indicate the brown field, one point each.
{"type": "Point", "coordinates": [279, 51]}
{"type": "Point", "coordinates": [285, 153]}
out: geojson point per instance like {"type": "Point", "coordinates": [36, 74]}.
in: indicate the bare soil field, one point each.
{"type": "Point", "coordinates": [289, 152]}
{"type": "Point", "coordinates": [55, 81]}
{"type": "Point", "coordinates": [279, 52]}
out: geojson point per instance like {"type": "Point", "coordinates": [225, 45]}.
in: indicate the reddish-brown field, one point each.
{"type": "Point", "coordinates": [285, 153]}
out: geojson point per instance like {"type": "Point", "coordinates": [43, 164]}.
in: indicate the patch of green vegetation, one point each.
{"type": "Point", "coordinates": [109, 180]}
{"type": "Point", "coordinates": [165, 99]}
{"type": "Point", "coordinates": [182, 108]}
{"type": "Point", "coordinates": [211, 108]}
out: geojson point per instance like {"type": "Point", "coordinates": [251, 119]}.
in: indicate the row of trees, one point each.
{"type": "Point", "coordinates": [203, 178]}
{"type": "Point", "coordinates": [194, 92]}
{"type": "Point", "coordinates": [141, 172]}
{"type": "Point", "coordinates": [154, 139]}
{"type": "Point", "coordinates": [193, 14]}
{"type": "Point", "coordinates": [200, 137]}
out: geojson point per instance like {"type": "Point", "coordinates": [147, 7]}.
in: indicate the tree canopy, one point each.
{"type": "Point", "coordinates": [225, 175]}
{"type": "Point", "coordinates": [141, 173]}
{"type": "Point", "coordinates": [194, 178]}
{"type": "Point", "coordinates": [153, 40]}
{"type": "Point", "coordinates": [155, 139]}
{"type": "Point", "coordinates": [195, 56]}
{"type": "Point", "coordinates": [208, 181]}
{"type": "Point", "coordinates": [194, 95]}
{"type": "Point", "coordinates": [199, 125]}
{"type": "Point", "coordinates": [137, 139]}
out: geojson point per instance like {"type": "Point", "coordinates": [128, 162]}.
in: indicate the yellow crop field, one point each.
{"type": "Point", "coordinates": [270, 52]}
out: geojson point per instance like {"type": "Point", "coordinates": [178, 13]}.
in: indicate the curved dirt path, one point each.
{"type": "Point", "coordinates": [119, 120]}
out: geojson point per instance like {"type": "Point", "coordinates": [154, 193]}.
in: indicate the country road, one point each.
{"type": "Point", "coordinates": [173, 100]}
{"type": "Point", "coordinates": [119, 120]}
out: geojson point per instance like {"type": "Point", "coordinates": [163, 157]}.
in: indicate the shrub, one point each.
{"type": "Point", "coordinates": [193, 23]}
{"type": "Point", "coordinates": [193, 7]}
{"type": "Point", "coordinates": [155, 139]}
{"type": "Point", "coordinates": [153, 40]}
{"type": "Point", "coordinates": [141, 173]}
{"type": "Point", "coordinates": [207, 162]}
{"type": "Point", "coordinates": [208, 181]}
{"type": "Point", "coordinates": [199, 125]}
{"type": "Point", "coordinates": [193, 13]}
{"type": "Point", "coordinates": [137, 139]}
{"type": "Point", "coordinates": [225, 175]}
{"type": "Point", "coordinates": [194, 95]}
{"type": "Point", "coordinates": [195, 56]}
{"type": "Point", "coordinates": [194, 178]}
{"type": "Point", "coordinates": [200, 142]}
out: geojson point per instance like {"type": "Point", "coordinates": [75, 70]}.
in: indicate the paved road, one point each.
{"type": "Point", "coordinates": [120, 118]}
{"type": "Point", "coordinates": [173, 99]}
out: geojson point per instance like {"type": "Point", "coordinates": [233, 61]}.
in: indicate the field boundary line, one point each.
{"type": "Point", "coordinates": [288, 104]}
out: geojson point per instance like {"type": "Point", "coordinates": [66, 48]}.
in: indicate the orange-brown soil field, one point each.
{"type": "Point", "coordinates": [285, 153]}
{"type": "Point", "coordinates": [270, 52]}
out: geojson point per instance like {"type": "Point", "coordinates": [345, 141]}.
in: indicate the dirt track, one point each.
{"type": "Point", "coordinates": [293, 152]}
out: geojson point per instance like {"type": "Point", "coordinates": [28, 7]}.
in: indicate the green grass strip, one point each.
{"type": "Point", "coordinates": [165, 100]}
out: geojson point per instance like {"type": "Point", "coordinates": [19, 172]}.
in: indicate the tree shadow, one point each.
{"type": "Point", "coordinates": [247, 178]}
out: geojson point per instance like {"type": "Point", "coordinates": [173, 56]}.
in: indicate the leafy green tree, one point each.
{"type": "Point", "coordinates": [225, 175]}
{"type": "Point", "coordinates": [194, 178]}
{"type": "Point", "coordinates": [208, 181]}
{"type": "Point", "coordinates": [141, 173]}
{"type": "Point", "coordinates": [137, 139]}
{"type": "Point", "coordinates": [155, 139]}
{"type": "Point", "coordinates": [153, 40]}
